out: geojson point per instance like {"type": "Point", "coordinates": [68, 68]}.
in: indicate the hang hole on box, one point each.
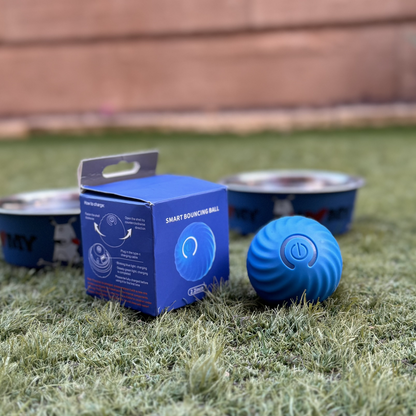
{"type": "Point", "coordinates": [122, 168]}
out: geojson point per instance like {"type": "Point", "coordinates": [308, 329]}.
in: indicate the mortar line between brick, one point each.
{"type": "Point", "coordinates": [191, 35]}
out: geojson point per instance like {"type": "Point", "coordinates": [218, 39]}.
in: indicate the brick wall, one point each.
{"type": "Point", "coordinates": [153, 55]}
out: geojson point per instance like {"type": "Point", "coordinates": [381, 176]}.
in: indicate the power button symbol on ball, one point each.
{"type": "Point", "coordinates": [298, 249]}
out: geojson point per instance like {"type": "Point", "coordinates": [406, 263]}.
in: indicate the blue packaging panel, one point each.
{"type": "Point", "coordinates": [156, 189]}
{"type": "Point", "coordinates": [191, 248]}
{"type": "Point", "coordinates": [118, 251]}
{"type": "Point", "coordinates": [154, 243]}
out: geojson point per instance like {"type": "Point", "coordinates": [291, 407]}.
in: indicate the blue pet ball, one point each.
{"type": "Point", "coordinates": [195, 251]}
{"type": "Point", "coordinates": [293, 256]}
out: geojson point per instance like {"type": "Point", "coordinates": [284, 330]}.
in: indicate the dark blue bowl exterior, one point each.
{"type": "Point", "coordinates": [36, 241]}
{"type": "Point", "coordinates": [249, 211]}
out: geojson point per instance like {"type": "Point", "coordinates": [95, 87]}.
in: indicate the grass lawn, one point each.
{"type": "Point", "coordinates": [65, 353]}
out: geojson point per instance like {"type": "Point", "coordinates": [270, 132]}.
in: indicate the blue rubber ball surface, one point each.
{"type": "Point", "coordinates": [292, 256]}
{"type": "Point", "coordinates": [195, 251]}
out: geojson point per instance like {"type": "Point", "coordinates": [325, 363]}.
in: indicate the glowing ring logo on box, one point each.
{"type": "Point", "coordinates": [183, 246]}
{"type": "Point", "coordinates": [195, 251]}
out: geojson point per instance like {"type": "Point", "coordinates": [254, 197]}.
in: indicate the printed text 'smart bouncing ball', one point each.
{"type": "Point", "coordinates": [292, 256]}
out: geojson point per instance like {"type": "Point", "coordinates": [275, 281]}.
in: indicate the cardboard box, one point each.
{"type": "Point", "coordinates": [153, 242]}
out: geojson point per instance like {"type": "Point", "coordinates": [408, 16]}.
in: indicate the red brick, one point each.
{"type": "Point", "coordinates": [407, 62]}
{"type": "Point", "coordinates": [54, 20]}
{"type": "Point", "coordinates": [284, 69]}
{"type": "Point", "coordinates": [287, 13]}
{"type": "Point", "coordinates": [29, 20]}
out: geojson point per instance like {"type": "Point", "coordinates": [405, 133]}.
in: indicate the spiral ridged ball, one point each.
{"type": "Point", "coordinates": [195, 251]}
{"type": "Point", "coordinates": [293, 256]}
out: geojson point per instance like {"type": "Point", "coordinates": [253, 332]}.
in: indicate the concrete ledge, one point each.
{"type": "Point", "coordinates": [14, 129]}
{"type": "Point", "coordinates": [236, 122]}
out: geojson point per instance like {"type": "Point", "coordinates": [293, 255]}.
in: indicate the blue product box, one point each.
{"type": "Point", "coordinates": [152, 242]}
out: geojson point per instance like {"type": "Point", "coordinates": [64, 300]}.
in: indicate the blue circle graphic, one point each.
{"type": "Point", "coordinates": [112, 230]}
{"type": "Point", "coordinates": [195, 251]}
{"type": "Point", "coordinates": [293, 256]}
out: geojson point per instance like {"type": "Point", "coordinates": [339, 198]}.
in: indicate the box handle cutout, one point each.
{"type": "Point", "coordinates": [108, 169]}
{"type": "Point", "coordinates": [121, 168]}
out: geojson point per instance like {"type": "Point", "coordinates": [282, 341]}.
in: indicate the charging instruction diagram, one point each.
{"type": "Point", "coordinates": [113, 234]}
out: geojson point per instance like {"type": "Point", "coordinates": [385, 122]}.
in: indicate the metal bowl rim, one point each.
{"type": "Point", "coordinates": [38, 213]}
{"type": "Point", "coordinates": [352, 183]}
